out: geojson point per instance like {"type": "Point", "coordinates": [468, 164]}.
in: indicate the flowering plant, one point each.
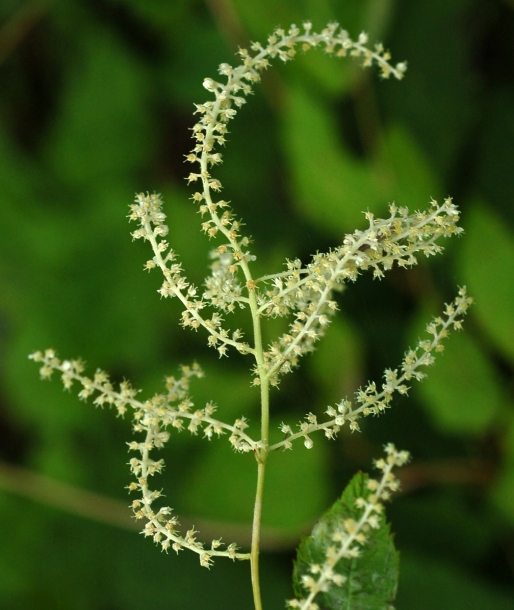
{"type": "Point", "coordinates": [352, 535]}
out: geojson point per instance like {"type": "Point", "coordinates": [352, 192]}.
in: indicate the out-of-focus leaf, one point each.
{"type": "Point", "coordinates": [331, 188]}
{"type": "Point", "coordinates": [461, 391]}
{"type": "Point", "coordinates": [322, 71]}
{"type": "Point", "coordinates": [103, 125]}
{"type": "Point", "coordinates": [27, 526]}
{"type": "Point", "coordinates": [436, 98]}
{"type": "Point", "coordinates": [487, 267]}
{"type": "Point", "coordinates": [257, 16]}
{"type": "Point", "coordinates": [188, 64]}
{"type": "Point", "coordinates": [230, 389]}
{"type": "Point", "coordinates": [496, 151]}
{"type": "Point", "coordinates": [427, 583]}
{"type": "Point", "coordinates": [289, 503]}
{"type": "Point", "coordinates": [336, 362]}
{"type": "Point", "coordinates": [297, 485]}
{"type": "Point", "coordinates": [442, 521]}
{"type": "Point", "coordinates": [502, 493]}
{"type": "Point", "coordinates": [404, 171]}
{"type": "Point", "coordinates": [371, 579]}
{"type": "Point", "coordinates": [160, 14]}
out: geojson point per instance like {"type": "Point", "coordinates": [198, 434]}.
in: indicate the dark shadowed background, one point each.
{"type": "Point", "coordinates": [96, 102]}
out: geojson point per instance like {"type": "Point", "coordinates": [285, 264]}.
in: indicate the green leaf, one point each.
{"type": "Point", "coordinates": [495, 151]}
{"type": "Point", "coordinates": [371, 579]}
{"type": "Point", "coordinates": [436, 99]}
{"type": "Point", "coordinates": [330, 186]}
{"type": "Point", "coordinates": [404, 170]}
{"type": "Point", "coordinates": [222, 486]}
{"type": "Point", "coordinates": [501, 493]}
{"type": "Point", "coordinates": [462, 391]}
{"type": "Point", "coordinates": [487, 266]}
{"type": "Point", "coordinates": [257, 16]}
{"type": "Point", "coordinates": [289, 505]}
{"type": "Point", "coordinates": [429, 582]}
{"type": "Point", "coordinates": [103, 126]}
{"type": "Point", "coordinates": [325, 74]}
{"type": "Point", "coordinates": [342, 339]}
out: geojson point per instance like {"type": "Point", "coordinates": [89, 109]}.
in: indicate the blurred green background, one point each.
{"type": "Point", "coordinates": [96, 101]}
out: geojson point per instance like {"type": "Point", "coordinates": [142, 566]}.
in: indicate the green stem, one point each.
{"type": "Point", "coordinates": [261, 454]}
{"type": "Point", "coordinates": [256, 537]}
{"type": "Point", "coordinates": [262, 457]}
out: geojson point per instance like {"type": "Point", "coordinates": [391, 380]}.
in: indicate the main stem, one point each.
{"type": "Point", "coordinates": [261, 454]}
{"type": "Point", "coordinates": [262, 457]}
{"type": "Point", "coordinates": [256, 536]}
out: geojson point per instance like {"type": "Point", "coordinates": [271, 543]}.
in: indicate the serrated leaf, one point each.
{"type": "Point", "coordinates": [371, 579]}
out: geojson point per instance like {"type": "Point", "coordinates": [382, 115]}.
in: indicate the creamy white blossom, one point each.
{"type": "Point", "coordinates": [304, 293]}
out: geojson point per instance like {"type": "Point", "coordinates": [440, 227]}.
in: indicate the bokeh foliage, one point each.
{"type": "Point", "coordinates": [96, 99]}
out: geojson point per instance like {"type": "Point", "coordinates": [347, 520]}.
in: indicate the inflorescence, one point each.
{"type": "Point", "coordinates": [175, 409]}
{"type": "Point", "coordinates": [303, 292]}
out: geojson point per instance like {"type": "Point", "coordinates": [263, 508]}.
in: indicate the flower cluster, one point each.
{"type": "Point", "coordinates": [174, 409]}
{"type": "Point", "coordinates": [147, 211]}
{"type": "Point", "coordinates": [350, 535]}
{"type": "Point", "coordinates": [370, 400]}
{"type": "Point", "coordinates": [153, 417]}
{"type": "Point", "coordinates": [210, 131]}
{"type": "Point", "coordinates": [224, 289]}
{"type": "Point", "coordinates": [307, 291]}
